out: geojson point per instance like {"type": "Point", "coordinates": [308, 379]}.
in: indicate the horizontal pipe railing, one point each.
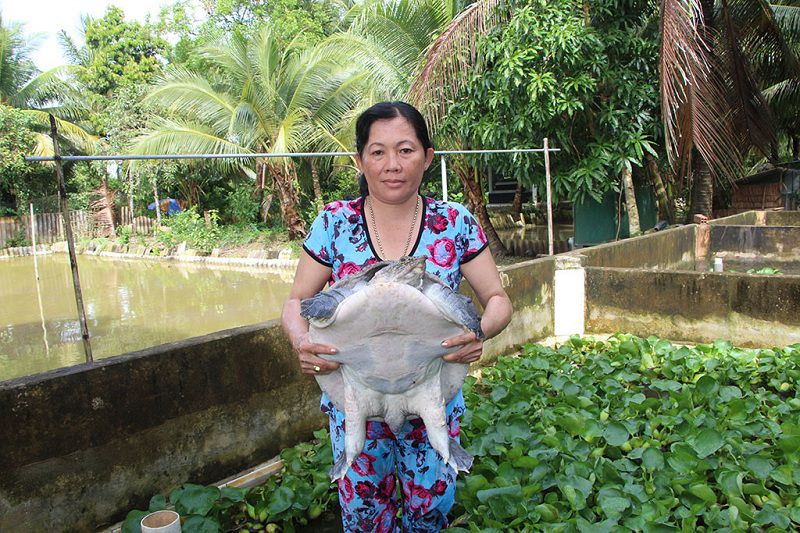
{"type": "Point", "coordinates": [42, 158]}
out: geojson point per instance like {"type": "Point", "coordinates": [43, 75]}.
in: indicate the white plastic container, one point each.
{"type": "Point", "coordinates": [161, 522]}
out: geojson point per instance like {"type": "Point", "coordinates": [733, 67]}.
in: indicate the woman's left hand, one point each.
{"type": "Point", "coordinates": [470, 351]}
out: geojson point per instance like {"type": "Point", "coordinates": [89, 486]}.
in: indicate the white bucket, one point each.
{"type": "Point", "coordinates": [161, 522]}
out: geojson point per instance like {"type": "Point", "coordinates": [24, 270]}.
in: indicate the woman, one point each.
{"type": "Point", "coordinates": [390, 221]}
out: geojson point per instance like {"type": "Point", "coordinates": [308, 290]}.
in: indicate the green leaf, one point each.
{"type": "Point", "coordinates": [653, 459]}
{"type": "Point", "coordinates": [200, 524]}
{"type": "Point", "coordinates": [707, 442]}
{"type": "Point", "coordinates": [706, 385]}
{"type": "Point", "coordinates": [157, 503]}
{"type": "Point", "coordinates": [194, 499]}
{"type": "Point", "coordinates": [702, 491]}
{"type": "Point", "coordinates": [666, 385]}
{"type": "Point", "coordinates": [614, 505]}
{"type": "Point", "coordinates": [760, 466]}
{"type": "Point", "coordinates": [729, 392]}
{"type": "Point", "coordinates": [616, 434]}
{"type": "Point", "coordinates": [133, 521]}
{"type": "Point", "coordinates": [280, 500]}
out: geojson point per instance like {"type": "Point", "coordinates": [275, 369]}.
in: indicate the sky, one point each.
{"type": "Point", "coordinates": [48, 17]}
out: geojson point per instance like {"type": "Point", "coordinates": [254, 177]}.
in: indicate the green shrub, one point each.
{"type": "Point", "coordinates": [124, 234]}
{"type": "Point", "coordinates": [18, 239]}
{"type": "Point", "coordinates": [240, 205]}
{"type": "Point", "coordinates": [189, 226]}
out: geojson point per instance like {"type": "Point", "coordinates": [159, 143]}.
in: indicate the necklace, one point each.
{"type": "Point", "coordinates": [410, 230]}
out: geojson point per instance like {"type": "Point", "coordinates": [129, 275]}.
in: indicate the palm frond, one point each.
{"type": "Point", "coordinates": [185, 137]}
{"type": "Point", "coordinates": [788, 20]}
{"type": "Point", "coordinates": [784, 100]}
{"type": "Point", "coordinates": [760, 38]}
{"type": "Point", "coordinates": [450, 56]}
{"type": "Point", "coordinates": [750, 113]}
{"type": "Point", "coordinates": [77, 136]}
{"type": "Point", "coordinates": [693, 96]}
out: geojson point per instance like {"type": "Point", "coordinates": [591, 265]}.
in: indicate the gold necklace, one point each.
{"type": "Point", "coordinates": [378, 236]}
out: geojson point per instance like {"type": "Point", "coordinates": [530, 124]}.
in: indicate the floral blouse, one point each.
{"type": "Point", "coordinates": [448, 236]}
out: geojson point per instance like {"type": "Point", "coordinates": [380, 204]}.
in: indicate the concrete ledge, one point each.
{"type": "Point", "coordinates": [780, 243]}
{"type": "Point", "coordinates": [783, 218]}
{"type": "Point", "coordinates": [663, 249]}
{"type": "Point", "coordinates": [745, 309]}
{"type": "Point", "coordinates": [82, 445]}
{"type": "Point", "coordinates": [530, 287]}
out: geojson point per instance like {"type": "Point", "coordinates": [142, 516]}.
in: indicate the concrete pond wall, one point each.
{"type": "Point", "coordinates": [81, 446]}
{"type": "Point", "coordinates": [667, 297]}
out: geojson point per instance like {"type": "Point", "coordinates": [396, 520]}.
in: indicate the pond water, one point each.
{"type": "Point", "coordinates": [130, 305]}
{"type": "Point", "coordinates": [743, 265]}
{"type": "Point", "coordinates": [530, 241]}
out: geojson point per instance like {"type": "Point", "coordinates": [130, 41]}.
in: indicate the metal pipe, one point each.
{"type": "Point", "coordinates": [444, 180]}
{"type": "Point", "coordinates": [73, 260]}
{"type": "Point", "coordinates": [245, 156]}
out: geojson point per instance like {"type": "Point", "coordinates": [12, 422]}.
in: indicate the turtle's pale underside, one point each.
{"type": "Point", "coordinates": [388, 322]}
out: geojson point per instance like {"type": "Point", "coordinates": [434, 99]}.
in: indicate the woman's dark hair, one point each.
{"type": "Point", "coordinates": [383, 111]}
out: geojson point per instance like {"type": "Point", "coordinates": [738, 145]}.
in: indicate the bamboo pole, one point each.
{"type": "Point", "coordinates": [73, 260]}
{"type": "Point", "coordinates": [33, 240]}
{"type": "Point", "coordinates": [549, 198]}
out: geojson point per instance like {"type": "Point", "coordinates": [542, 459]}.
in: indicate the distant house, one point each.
{"type": "Point", "coordinates": [774, 188]}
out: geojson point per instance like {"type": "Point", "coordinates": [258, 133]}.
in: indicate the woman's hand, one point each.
{"type": "Point", "coordinates": [310, 362]}
{"type": "Point", "coordinates": [470, 351]}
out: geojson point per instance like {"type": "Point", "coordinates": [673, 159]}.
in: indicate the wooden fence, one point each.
{"type": "Point", "coordinates": [50, 227]}
{"type": "Point", "coordinates": [142, 225]}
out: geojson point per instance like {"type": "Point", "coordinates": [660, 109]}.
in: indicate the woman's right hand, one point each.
{"type": "Point", "coordinates": [310, 362]}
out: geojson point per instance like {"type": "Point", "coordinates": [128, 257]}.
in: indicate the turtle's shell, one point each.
{"type": "Point", "coordinates": [390, 335]}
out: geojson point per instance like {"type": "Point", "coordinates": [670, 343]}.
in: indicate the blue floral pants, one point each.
{"type": "Point", "coordinates": [368, 493]}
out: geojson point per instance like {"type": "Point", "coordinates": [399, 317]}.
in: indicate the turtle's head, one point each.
{"type": "Point", "coordinates": [408, 270]}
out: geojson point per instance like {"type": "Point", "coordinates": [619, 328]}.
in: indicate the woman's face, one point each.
{"type": "Point", "coordinates": [393, 160]}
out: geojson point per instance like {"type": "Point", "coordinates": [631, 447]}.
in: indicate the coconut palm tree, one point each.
{"type": "Point", "coordinates": [259, 97]}
{"type": "Point", "coordinates": [715, 61]}
{"type": "Point", "coordinates": [420, 51]}
{"type": "Point", "coordinates": [784, 96]}
{"type": "Point", "coordinates": [39, 94]}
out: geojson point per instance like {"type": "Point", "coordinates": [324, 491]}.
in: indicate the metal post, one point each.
{"type": "Point", "coordinates": [549, 198]}
{"type": "Point", "coordinates": [33, 240]}
{"type": "Point", "coordinates": [444, 179]}
{"type": "Point", "coordinates": [73, 261]}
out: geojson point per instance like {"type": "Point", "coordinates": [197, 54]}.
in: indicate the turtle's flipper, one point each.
{"type": "Point", "coordinates": [460, 459]}
{"type": "Point", "coordinates": [323, 305]}
{"type": "Point", "coordinates": [454, 306]}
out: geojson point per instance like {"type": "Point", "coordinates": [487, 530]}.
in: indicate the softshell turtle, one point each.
{"type": "Point", "coordinates": [388, 322]}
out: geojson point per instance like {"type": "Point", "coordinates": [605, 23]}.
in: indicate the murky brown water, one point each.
{"type": "Point", "coordinates": [130, 305]}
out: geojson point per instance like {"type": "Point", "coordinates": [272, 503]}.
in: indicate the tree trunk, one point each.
{"type": "Point", "coordinates": [664, 206]}
{"type": "Point", "coordinates": [516, 205]}
{"type": "Point", "coordinates": [132, 187]}
{"type": "Point", "coordinates": [262, 196]}
{"type": "Point", "coordinates": [472, 187]}
{"type": "Point", "coordinates": [283, 180]}
{"type": "Point", "coordinates": [158, 204]}
{"type": "Point", "coordinates": [795, 147]}
{"type": "Point", "coordinates": [630, 201]}
{"type": "Point", "coordinates": [102, 207]}
{"type": "Point", "coordinates": [702, 181]}
{"type": "Point", "coordinates": [318, 202]}
{"type": "Point", "coordinates": [702, 189]}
